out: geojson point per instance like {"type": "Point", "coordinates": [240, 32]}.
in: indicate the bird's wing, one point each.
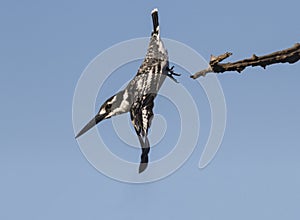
{"type": "Point", "coordinates": [141, 114]}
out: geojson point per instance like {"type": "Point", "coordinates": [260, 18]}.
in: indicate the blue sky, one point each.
{"type": "Point", "coordinates": [44, 48]}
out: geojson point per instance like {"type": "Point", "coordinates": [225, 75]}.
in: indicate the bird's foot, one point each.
{"type": "Point", "coordinates": [171, 74]}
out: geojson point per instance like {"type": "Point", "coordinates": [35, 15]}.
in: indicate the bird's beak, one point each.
{"type": "Point", "coordinates": [91, 124]}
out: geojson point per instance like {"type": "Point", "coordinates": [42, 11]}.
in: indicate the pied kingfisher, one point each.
{"type": "Point", "coordinates": [138, 96]}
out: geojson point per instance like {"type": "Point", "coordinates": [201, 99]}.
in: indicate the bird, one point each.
{"type": "Point", "coordinates": [138, 96]}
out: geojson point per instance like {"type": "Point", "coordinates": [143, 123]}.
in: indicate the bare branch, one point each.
{"type": "Point", "coordinates": [290, 55]}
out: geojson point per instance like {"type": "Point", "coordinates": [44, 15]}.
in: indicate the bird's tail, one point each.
{"type": "Point", "coordinates": [154, 14]}
{"type": "Point", "coordinates": [89, 125]}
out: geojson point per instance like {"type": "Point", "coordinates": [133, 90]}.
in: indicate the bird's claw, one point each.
{"type": "Point", "coordinates": [171, 74]}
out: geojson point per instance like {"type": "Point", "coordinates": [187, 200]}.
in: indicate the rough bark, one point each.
{"type": "Point", "coordinates": [290, 55]}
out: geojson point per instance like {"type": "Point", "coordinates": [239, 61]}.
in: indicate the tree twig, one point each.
{"type": "Point", "coordinates": [290, 55]}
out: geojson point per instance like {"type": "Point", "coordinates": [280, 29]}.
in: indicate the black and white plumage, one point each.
{"type": "Point", "coordinates": [138, 96]}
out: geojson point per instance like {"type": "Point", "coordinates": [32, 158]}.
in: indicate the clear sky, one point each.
{"type": "Point", "coordinates": [45, 46]}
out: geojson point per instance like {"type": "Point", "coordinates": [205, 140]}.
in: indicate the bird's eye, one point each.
{"type": "Point", "coordinates": [108, 106]}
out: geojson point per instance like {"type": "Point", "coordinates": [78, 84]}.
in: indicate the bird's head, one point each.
{"type": "Point", "coordinates": [115, 105]}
